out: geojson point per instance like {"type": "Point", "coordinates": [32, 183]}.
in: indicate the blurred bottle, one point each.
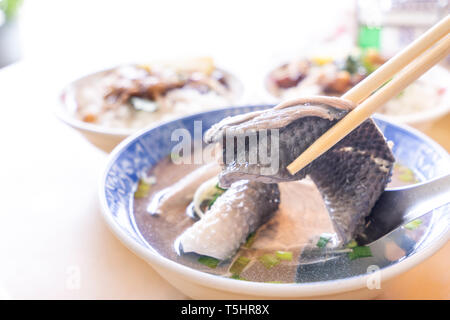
{"type": "Point", "coordinates": [390, 25]}
{"type": "Point", "coordinates": [9, 32]}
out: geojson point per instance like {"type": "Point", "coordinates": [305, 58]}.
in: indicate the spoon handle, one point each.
{"type": "Point", "coordinates": [399, 206]}
{"type": "Point", "coordinates": [425, 197]}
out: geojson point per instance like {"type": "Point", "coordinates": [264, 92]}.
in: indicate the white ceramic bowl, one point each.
{"type": "Point", "coordinates": [144, 149]}
{"type": "Point", "coordinates": [106, 138]}
{"type": "Point", "coordinates": [424, 119]}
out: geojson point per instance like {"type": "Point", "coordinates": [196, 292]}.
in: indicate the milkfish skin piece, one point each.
{"type": "Point", "coordinates": [350, 176]}
{"type": "Point", "coordinates": [239, 211]}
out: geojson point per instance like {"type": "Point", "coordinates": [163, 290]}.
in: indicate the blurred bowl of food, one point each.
{"type": "Point", "coordinates": [419, 105]}
{"type": "Point", "coordinates": [109, 105]}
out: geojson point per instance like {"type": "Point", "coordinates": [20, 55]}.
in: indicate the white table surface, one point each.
{"type": "Point", "coordinates": [53, 242]}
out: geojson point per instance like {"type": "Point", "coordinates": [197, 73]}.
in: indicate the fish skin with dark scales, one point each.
{"type": "Point", "coordinates": [350, 176]}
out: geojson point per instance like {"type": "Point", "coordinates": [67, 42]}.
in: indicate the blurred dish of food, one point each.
{"type": "Point", "coordinates": [116, 102]}
{"type": "Point", "coordinates": [420, 103]}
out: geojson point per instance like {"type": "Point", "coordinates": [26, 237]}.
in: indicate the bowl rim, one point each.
{"type": "Point", "coordinates": [62, 113]}
{"type": "Point", "coordinates": [261, 289]}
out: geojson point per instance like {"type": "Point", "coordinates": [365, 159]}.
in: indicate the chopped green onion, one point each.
{"type": "Point", "coordinates": [216, 195]}
{"type": "Point", "coordinates": [209, 261]}
{"type": "Point", "coordinates": [360, 252]}
{"type": "Point", "coordinates": [284, 255]}
{"type": "Point", "coordinates": [269, 260]}
{"type": "Point", "coordinates": [142, 189]}
{"type": "Point", "coordinates": [237, 277]}
{"type": "Point", "coordinates": [175, 156]}
{"type": "Point", "coordinates": [239, 265]}
{"type": "Point", "coordinates": [221, 189]}
{"type": "Point", "coordinates": [250, 239]}
{"type": "Point", "coordinates": [352, 244]}
{"type": "Point", "coordinates": [405, 174]}
{"type": "Point", "coordinates": [323, 241]}
{"type": "Point", "coordinates": [274, 282]}
{"type": "Point", "coordinates": [413, 224]}
{"type": "Point", "coordinates": [214, 198]}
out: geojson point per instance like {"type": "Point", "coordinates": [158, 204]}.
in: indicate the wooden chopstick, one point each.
{"type": "Point", "coordinates": [364, 110]}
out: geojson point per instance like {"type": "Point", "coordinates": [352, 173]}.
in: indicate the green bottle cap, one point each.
{"type": "Point", "coordinates": [369, 37]}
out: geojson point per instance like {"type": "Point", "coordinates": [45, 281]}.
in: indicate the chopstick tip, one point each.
{"type": "Point", "coordinates": [296, 166]}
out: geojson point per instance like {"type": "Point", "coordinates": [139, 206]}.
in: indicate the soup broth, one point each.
{"type": "Point", "coordinates": [272, 253]}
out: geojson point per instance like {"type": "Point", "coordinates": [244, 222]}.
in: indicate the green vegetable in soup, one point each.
{"type": "Point", "coordinates": [142, 190]}
{"type": "Point", "coordinates": [405, 174]}
{"type": "Point", "coordinates": [175, 156]}
{"type": "Point", "coordinates": [214, 198]}
{"type": "Point", "coordinates": [216, 195]}
{"type": "Point", "coordinates": [323, 240]}
{"type": "Point", "coordinates": [352, 244]}
{"type": "Point", "coordinates": [413, 224]}
{"type": "Point", "coordinates": [239, 265]}
{"type": "Point", "coordinates": [360, 252]}
{"type": "Point", "coordinates": [269, 260]}
{"type": "Point", "coordinates": [219, 188]}
{"type": "Point", "coordinates": [209, 261]}
{"type": "Point", "coordinates": [250, 239]}
{"type": "Point", "coordinates": [237, 277]}
{"type": "Point", "coordinates": [284, 255]}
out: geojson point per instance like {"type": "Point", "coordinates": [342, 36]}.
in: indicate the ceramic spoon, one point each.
{"type": "Point", "coordinates": [399, 206]}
